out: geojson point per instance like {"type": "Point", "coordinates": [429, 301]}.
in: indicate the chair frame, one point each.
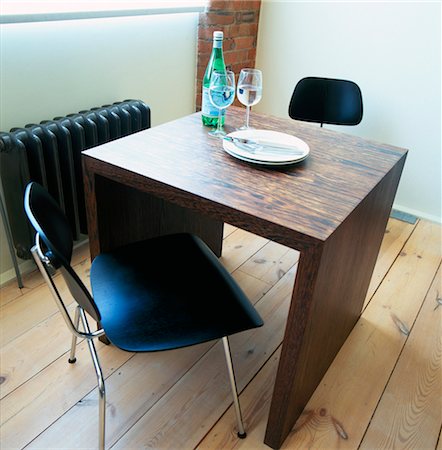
{"type": "Point", "coordinates": [44, 265]}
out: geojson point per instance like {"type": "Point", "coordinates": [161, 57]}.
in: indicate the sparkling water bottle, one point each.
{"type": "Point", "coordinates": [216, 62]}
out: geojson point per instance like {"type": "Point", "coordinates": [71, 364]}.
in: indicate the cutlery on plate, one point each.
{"type": "Point", "coordinates": [261, 148]}
{"type": "Point", "coordinates": [251, 144]}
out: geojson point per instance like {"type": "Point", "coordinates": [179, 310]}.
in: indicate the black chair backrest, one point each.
{"type": "Point", "coordinates": [326, 100]}
{"type": "Point", "coordinates": [54, 230]}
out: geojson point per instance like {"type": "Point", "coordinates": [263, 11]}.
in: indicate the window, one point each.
{"type": "Point", "coordinates": [16, 11]}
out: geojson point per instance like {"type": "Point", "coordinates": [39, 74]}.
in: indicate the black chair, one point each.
{"type": "Point", "coordinates": [326, 100]}
{"type": "Point", "coordinates": [159, 294]}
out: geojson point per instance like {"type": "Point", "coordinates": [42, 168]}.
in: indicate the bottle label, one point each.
{"type": "Point", "coordinates": [207, 107]}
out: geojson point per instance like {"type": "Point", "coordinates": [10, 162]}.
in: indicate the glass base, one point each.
{"type": "Point", "coordinates": [217, 133]}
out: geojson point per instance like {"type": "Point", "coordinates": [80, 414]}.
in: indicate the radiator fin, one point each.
{"type": "Point", "coordinates": [50, 153]}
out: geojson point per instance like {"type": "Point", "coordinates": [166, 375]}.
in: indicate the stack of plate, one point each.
{"type": "Point", "coordinates": [265, 147]}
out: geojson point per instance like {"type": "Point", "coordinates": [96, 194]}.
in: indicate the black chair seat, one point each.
{"type": "Point", "coordinates": [178, 311]}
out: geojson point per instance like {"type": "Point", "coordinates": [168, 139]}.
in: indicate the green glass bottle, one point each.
{"type": "Point", "coordinates": [216, 62]}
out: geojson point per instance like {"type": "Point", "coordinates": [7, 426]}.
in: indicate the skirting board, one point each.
{"type": "Point", "coordinates": [403, 216]}
{"type": "Point", "coordinates": [418, 213]}
{"type": "Point", "coordinates": [29, 265]}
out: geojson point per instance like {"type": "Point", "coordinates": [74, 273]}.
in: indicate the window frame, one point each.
{"type": "Point", "coordinates": [17, 11]}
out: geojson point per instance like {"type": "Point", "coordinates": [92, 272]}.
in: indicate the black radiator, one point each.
{"type": "Point", "coordinates": [50, 153]}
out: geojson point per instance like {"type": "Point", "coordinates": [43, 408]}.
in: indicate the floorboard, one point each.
{"type": "Point", "coordinates": [380, 392]}
{"type": "Point", "coordinates": [409, 414]}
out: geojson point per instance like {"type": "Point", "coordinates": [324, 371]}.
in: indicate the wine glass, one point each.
{"type": "Point", "coordinates": [249, 90]}
{"type": "Point", "coordinates": [221, 94]}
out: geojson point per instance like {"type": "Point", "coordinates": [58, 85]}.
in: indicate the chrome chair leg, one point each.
{"type": "Point", "coordinates": [101, 386]}
{"type": "Point", "coordinates": [72, 357]}
{"type": "Point", "coordinates": [241, 432]}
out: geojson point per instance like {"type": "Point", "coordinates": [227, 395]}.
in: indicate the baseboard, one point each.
{"type": "Point", "coordinates": [417, 213]}
{"type": "Point", "coordinates": [405, 217]}
{"type": "Point", "coordinates": [27, 266]}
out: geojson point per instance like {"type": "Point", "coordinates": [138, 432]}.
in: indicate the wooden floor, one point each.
{"type": "Point", "coordinates": [382, 391]}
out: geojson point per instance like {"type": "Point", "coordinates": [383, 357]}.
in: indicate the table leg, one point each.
{"type": "Point", "coordinates": [330, 288]}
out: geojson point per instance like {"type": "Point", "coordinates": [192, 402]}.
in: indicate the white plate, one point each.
{"type": "Point", "coordinates": [263, 163]}
{"type": "Point", "coordinates": [301, 149]}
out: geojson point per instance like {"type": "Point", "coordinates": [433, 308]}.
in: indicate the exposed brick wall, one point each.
{"type": "Point", "coordinates": [238, 19]}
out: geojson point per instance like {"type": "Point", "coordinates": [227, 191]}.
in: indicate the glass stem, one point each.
{"type": "Point", "coordinates": [247, 116]}
{"type": "Point", "coordinates": [219, 128]}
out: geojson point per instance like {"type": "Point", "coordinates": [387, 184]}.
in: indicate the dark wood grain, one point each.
{"type": "Point", "coordinates": [125, 215]}
{"type": "Point", "coordinates": [330, 289]}
{"type": "Point", "coordinates": [333, 207]}
{"type": "Point", "coordinates": [310, 199]}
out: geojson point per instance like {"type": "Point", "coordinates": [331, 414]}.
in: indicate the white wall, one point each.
{"type": "Point", "coordinates": [55, 68]}
{"type": "Point", "coordinates": [392, 50]}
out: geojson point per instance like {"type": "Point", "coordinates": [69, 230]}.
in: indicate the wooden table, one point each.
{"type": "Point", "coordinates": [333, 208]}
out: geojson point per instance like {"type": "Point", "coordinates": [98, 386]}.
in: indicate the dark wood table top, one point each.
{"type": "Point", "coordinates": [299, 204]}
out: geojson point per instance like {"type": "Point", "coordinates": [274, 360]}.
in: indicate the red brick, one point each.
{"type": "Point", "coordinates": [227, 30]}
{"type": "Point", "coordinates": [244, 42]}
{"type": "Point", "coordinates": [219, 19]}
{"type": "Point", "coordinates": [236, 5]}
{"type": "Point", "coordinates": [200, 70]}
{"type": "Point", "coordinates": [237, 67]}
{"type": "Point", "coordinates": [243, 4]}
{"type": "Point", "coordinates": [248, 5]}
{"type": "Point", "coordinates": [204, 56]}
{"type": "Point", "coordinates": [205, 46]}
{"type": "Point", "coordinates": [244, 65]}
{"type": "Point", "coordinates": [246, 17]}
{"type": "Point", "coordinates": [243, 29]}
{"type": "Point", "coordinates": [229, 57]}
{"type": "Point", "coordinates": [240, 56]}
{"type": "Point", "coordinates": [198, 101]}
{"type": "Point", "coordinates": [221, 5]}
{"type": "Point", "coordinates": [229, 44]}
{"type": "Point", "coordinates": [251, 54]}
{"type": "Point", "coordinates": [233, 30]}
{"type": "Point", "coordinates": [253, 28]}
{"type": "Point", "coordinates": [206, 33]}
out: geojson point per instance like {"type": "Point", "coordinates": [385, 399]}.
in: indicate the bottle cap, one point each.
{"type": "Point", "coordinates": [218, 35]}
